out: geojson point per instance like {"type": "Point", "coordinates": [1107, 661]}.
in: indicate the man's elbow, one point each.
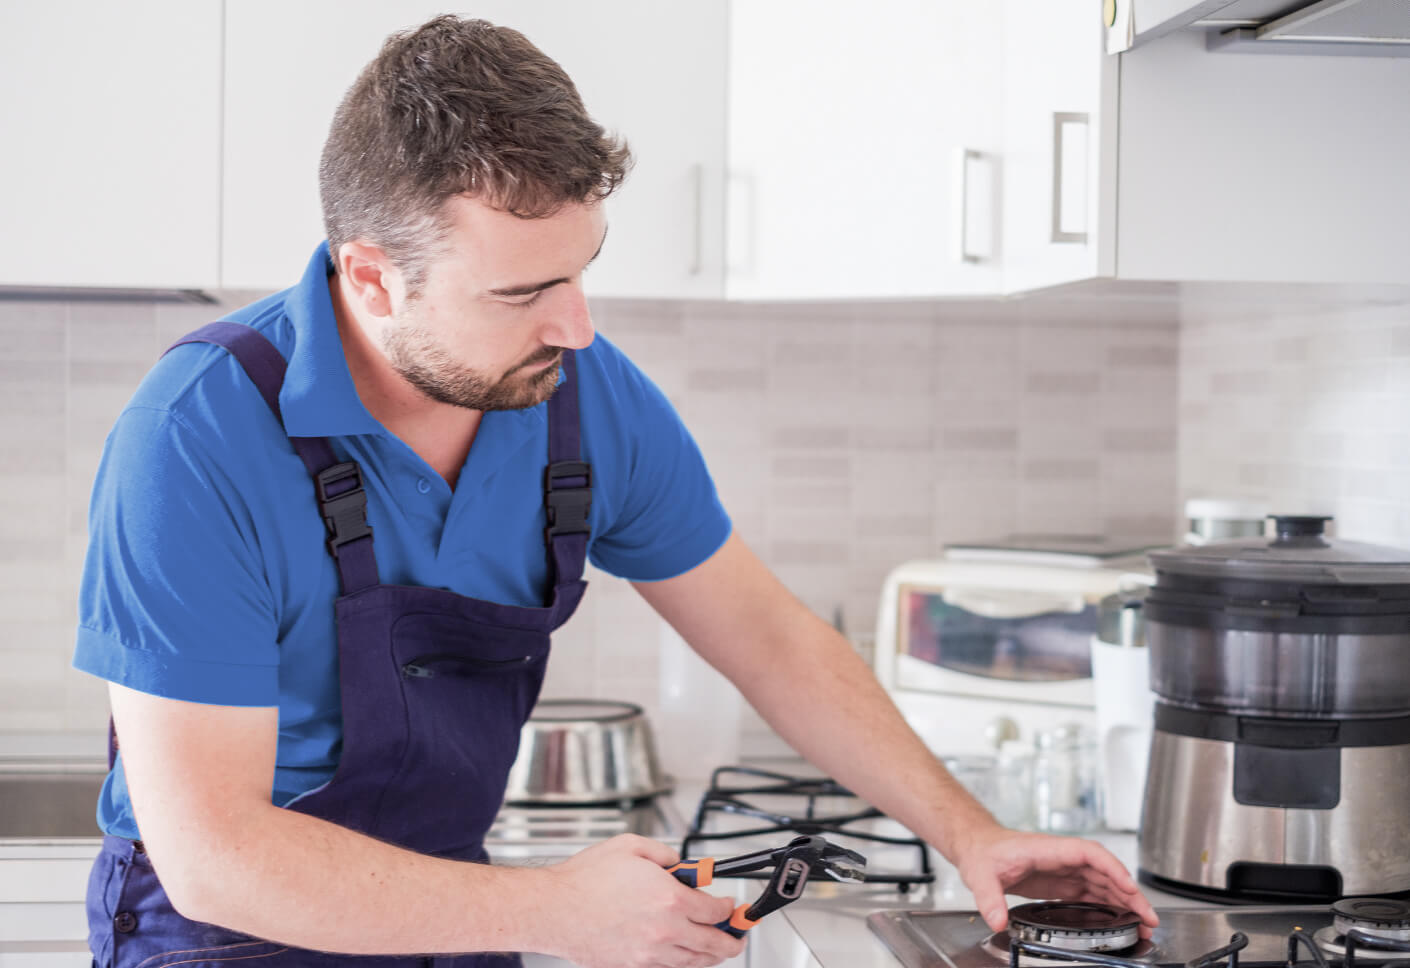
{"type": "Point", "coordinates": [200, 875]}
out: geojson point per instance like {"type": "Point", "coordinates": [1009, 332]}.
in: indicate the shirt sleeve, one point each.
{"type": "Point", "coordinates": [174, 600]}
{"type": "Point", "coordinates": [667, 516]}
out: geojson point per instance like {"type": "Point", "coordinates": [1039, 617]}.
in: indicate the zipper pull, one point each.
{"type": "Point", "coordinates": [413, 671]}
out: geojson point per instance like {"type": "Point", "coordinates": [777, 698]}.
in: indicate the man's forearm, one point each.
{"type": "Point", "coordinates": [298, 880]}
{"type": "Point", "coordinates": [804, 678]}
{"type": "Point", "coordinates": [819, 695]}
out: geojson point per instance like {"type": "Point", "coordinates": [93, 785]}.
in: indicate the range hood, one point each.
{"type": "Point", "coordinates": [1356, 27]}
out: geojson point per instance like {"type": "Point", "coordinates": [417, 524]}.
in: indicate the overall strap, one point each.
{"type": "Point", "coordinates": [337, 485]}
{"type": "Point", "coordinates": [567, 481]}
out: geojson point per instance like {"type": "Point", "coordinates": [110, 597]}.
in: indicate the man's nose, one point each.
{"type": "Point", "coordinates": [570, 324]}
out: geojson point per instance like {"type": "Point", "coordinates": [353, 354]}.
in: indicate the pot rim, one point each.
{"type": "Point", "coordinates": [622, 710]}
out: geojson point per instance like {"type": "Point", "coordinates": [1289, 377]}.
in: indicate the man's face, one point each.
{"type": "Point", "coordinates": [499, 308]}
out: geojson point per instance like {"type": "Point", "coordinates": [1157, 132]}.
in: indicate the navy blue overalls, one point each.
{"type": "Point", "coordinates": [435, 687]}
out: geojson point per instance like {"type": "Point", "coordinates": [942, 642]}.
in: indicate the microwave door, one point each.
{"type": "Point", "coordinates": [1005, 641]}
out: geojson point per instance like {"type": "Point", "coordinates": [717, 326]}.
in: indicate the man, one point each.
{"type": "Point", "coordinates": [323, 593]}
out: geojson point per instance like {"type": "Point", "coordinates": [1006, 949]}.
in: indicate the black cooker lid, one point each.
{"type": "Point", "coordinates": [1298, 552]}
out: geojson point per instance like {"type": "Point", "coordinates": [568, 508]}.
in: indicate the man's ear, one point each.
{"type": "Point", "coordinates": [371, 279]}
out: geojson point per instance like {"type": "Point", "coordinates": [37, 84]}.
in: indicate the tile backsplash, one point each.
{"type": "Point", "coordinates": [844, 439]}
{"type": "Point", "coordinates": [1299, 397]}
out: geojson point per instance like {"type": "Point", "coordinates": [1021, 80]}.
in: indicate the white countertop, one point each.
{"type": "Point", "coordinates": [86, 747]}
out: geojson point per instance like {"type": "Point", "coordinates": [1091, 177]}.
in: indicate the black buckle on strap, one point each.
{"type": "Point", "coordinates": [567, 506]}
{"type": "Point", "coordinates": [345, 513]}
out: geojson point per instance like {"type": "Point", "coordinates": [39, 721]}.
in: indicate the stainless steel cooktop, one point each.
{"type": "Point", "coordinates": [1233, 936]}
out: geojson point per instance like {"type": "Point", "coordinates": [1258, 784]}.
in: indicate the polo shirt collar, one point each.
{"type": "Point", "coordinates": [319, 398]}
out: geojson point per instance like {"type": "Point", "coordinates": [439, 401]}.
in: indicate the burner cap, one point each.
{"type": "Point", "coordinates": [1382, 911]}
{"type": "Point", "coordinates": [1076, 926]}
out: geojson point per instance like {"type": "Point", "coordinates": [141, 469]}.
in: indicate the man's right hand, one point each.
{"type": "Point", "coordinates": [621, 909]}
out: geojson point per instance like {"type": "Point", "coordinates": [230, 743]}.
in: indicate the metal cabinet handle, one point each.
{"type": "Point", "coordinates": [1061, 120]}
{"type": "Point", "coordinates": [968, 155]}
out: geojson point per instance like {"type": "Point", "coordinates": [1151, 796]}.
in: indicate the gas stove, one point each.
{"type": "Point", "coordinates": [747, 808]}
{"type": "Point", "coordinates": [1373, 931]}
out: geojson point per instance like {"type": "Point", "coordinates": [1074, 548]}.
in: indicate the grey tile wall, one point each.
{"type": "Point", "coordinates": [844, 439]}
{"type": "Point", "coordinates": [1299, 397]}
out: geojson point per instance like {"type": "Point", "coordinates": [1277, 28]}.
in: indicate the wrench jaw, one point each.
{"type": "Point", "coordinates": [799, 860]}
{"type": "Point", "coordinates": [792, 865]}
{"type": "Point", "coordinates": [842, 864]}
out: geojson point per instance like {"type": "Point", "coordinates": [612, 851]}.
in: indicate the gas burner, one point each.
{"type": "Point", "coordinates": [999, 946]}
{"type": "Point", "coordinates": [1075, 926]}
{"type": "Point", "coordinates": [742, 802]}
{"type": "Point", "coordinates": [1378, 917]}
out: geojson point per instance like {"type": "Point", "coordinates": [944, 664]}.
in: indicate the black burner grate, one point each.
{"type": "Point", "coordinates": [742, 792]}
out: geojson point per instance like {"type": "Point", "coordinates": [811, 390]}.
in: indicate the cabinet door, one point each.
{"type": "Point", "coordinates": [1280, 168]}
{"type": "Point", "coordinates": [847, 127]}
{"type": "Point", "coordinates": [1058, 104]}
{"type": "Point", "coordinates": [111, 115]}
{"type": "Point", "coordinates": [652, 72]}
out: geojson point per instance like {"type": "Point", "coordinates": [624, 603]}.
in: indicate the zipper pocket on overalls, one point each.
{"type": "Point", "coordinates": [452, 664]}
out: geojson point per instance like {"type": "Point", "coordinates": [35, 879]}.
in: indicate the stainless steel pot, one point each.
{"type": "Point", "coordinates": [1297, 625]}
{"type": "Point", "coordinates": [585, 751]}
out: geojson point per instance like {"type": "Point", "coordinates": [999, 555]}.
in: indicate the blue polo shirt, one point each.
{"type": "Point", "coordinates": [207, 578]}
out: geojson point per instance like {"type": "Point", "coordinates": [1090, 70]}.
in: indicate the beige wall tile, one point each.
{"type": "Point", "coordinates": [844, 438]}
{"type": "Point", "coordinates": [1327, 434]}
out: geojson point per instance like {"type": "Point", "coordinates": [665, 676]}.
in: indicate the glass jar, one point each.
{"type": "Point", "coordinates": [976, 775]}
{"type": "Point", "coordinates": [1013, 799]}
{"type": "Point", "coordinates": [1066, 797]}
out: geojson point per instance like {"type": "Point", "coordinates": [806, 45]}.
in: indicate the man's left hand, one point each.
{"type": "Point", "coordinates": [1002, 861]}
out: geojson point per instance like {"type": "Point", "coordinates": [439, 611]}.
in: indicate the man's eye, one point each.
{"type": "Point", "coordinates": [528, 302]}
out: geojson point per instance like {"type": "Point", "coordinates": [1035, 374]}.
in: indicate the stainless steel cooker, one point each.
{"type": "Point", "coordinates": [1280, 760]}
{"type": "Point", "coordinates": [583, 751]}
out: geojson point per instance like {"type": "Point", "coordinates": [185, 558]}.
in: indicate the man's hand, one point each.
{"type": "Point", "coordinates": [620, 909]}
{"type": "Point", "coordinates": [1002, 861]}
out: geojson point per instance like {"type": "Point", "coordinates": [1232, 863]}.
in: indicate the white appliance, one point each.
{"type": "Point", "coordinates": [1125, 721]}
{"type": "Point", "coordinates": [993, 644]}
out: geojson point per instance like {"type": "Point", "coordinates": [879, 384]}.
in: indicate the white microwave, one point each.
{"type": "Point", "coordinates": [977, 651]}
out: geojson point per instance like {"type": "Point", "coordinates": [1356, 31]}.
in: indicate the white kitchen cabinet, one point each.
{"type": "Point", "coordinates": [854, 132]}
{"type": "Point", "coordinates": [111, 115]}
{"type": "Point", "coordinates": [652, 72]}
{"type": "Point", "coordinates": [1055, 169]}
{"type": "Point", "coordinates": [1172, 162]}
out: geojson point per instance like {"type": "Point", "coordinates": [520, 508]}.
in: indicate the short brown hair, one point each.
{"type": "Point", "coordinates": [457, 107]}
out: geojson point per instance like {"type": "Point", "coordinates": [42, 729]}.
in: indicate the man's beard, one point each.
{"type": "Point", "coordinates": [427, 366]}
